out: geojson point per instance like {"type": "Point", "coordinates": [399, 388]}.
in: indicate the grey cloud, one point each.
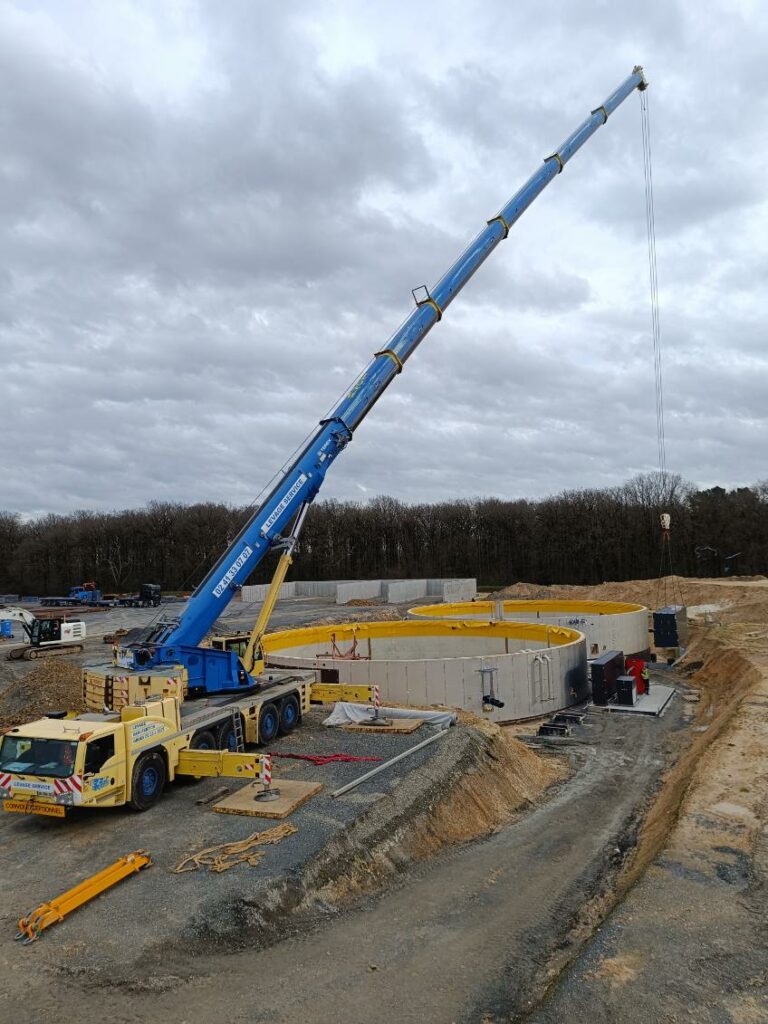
{"type": "Point", "coordinates": [188, 285]}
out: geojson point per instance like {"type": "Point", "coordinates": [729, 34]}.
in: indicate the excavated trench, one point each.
{"type": "Point", "coordinates": [477, 780]}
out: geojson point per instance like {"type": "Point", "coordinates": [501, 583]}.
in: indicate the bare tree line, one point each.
{"type": "Point", "coordinates": [579, 536]}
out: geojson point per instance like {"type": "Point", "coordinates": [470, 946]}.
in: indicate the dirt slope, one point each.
{"type": "Point", "coordinates": [739, 599]}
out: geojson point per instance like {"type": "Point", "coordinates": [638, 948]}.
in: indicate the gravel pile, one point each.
{"type": "Point", "coordinates": [53, 685]}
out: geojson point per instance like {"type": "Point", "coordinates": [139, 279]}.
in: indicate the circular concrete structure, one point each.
{"type": "Point", "coordinates": [534, 668]}
{"type": "Point", "coordinates": [607, 625]}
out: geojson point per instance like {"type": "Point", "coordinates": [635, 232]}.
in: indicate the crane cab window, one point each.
{"type": "Point", "coordinates": [98, 752]}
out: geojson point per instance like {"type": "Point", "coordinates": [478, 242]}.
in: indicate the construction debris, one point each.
{"type": "Point", "coordinates": [49, 686]}
{"type": "Point", "coordinates": [227, 855]}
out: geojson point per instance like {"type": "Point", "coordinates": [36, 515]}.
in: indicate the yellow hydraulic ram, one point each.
{"type": "Point", "coordinates": [46, 914]}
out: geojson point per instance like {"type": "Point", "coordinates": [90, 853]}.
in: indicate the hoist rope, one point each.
{"type": "Point", "coordinates": [650, 220]}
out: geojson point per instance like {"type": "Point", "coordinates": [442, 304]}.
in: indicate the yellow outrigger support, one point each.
{"type": "Point", "coordinates": [46, 914]}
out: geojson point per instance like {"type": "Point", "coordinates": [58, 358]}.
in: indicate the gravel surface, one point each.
{"type": "Point", "coordinates": [464, 937]}
{"type": "Point", "coordinates": [44, 856]}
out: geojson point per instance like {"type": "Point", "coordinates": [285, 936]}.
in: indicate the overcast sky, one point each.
{"type": "Point", "coordinates": [213, 213]}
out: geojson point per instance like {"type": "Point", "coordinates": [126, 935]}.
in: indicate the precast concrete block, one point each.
{"type": "Point", "coordinates": [357, 591]}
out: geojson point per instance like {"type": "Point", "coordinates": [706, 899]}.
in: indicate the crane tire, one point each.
{"type": "Point", "coordinates": [269, 723]}
{"type": "Point", "coordinates": [290, 714]}
{"type": "Point", "coordinates": [226, 738]}
{"type": "Point", "coordinates": [204, 739]}
{"type": "Point", "coordinates": [147, 781]}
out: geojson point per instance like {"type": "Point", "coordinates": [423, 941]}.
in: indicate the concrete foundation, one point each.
{"type": "Point", "coordinates": [607, 625]}
{"type": "Point", "coordinates": [535, 669]}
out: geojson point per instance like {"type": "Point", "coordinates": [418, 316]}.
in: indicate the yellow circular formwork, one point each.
{"type": "Point", "coordinates": [547, 635]}
{"type": "Point", "coordinates": [531, 668]}
{"type": "Point", "coordinates": [607, 625]}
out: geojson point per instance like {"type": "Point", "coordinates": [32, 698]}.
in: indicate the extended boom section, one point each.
{"type": "Point", "coordinates": [299, 484]}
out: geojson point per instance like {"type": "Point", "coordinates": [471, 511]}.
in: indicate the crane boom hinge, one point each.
{"type": "Point", "coordinates": [393, 356]}
{"type": "Point", "coordinates": [426, 300]}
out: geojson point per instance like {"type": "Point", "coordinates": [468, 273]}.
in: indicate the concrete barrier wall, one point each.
{"type": "Point", "coordinates": [452, 589]}
{"type": "Point", "coordinates": [357, 591]}
{"type": "Point", "coordinates": [459, 590]}
{"type": "Point", "coordinates": [258, 592]}
{"type": "Point", "coordinates": [395, 591]}
{"type": "Point", "coordinates": [391, 591]}
{"type": "Point", "coordinates": [319, 588]}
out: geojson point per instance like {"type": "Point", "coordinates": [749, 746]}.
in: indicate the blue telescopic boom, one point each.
{"type": "Point", "coordinates": [299, 484]}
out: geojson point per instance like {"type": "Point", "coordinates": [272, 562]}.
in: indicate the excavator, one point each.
{"type": "Point", "coordinates": [47, 637]}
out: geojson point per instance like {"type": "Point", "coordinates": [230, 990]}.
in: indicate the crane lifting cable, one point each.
{"type": "Point", "coordinates": [650, 221]}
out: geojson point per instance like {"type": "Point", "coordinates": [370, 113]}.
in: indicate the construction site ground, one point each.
{"type": "Point", "coordinates": [480, 884]}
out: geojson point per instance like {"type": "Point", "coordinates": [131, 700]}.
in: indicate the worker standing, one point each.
{"type": "Point", "coordinates": [646, 677]}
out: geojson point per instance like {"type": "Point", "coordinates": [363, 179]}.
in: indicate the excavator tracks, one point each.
{"type": "Point", "coordinates": [31, 653]}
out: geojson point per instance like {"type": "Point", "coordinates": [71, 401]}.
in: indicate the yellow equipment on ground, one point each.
{"type": "Point", "coordinates": [42, 917]}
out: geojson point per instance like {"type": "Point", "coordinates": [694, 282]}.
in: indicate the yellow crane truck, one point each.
{"type": "Point", "coordinates": [126, 754]}
{"type": "Point", "coordinates": [141, 734]}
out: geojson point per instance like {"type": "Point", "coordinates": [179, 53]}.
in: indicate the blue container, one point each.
{"type": "Point", "coordinates": [6, 629]}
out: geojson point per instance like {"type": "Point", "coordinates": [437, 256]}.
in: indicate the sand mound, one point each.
{"type": "Point", "coordinates": [508, 778]}
{"type": "Point", "coordinates": [49, 686]}
{"type": "Point", "coordinates": [735, 599]}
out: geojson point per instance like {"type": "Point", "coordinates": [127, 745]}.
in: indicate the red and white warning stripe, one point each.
{"type": "Point", "coordinates": [72, 785]}
{"type": "Point", "coordinates": [5, 780]}
{"type": "Point", "coordinates": [266, 771]}
{"type": "Point", "coordinates": [376, 697]}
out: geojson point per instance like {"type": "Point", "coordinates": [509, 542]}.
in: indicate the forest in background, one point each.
{"type": "Point", "coordinates": [579, 537]}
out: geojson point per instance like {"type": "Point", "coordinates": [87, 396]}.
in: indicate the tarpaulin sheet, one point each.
{"type": "Point", "coordinates": [351, 714]}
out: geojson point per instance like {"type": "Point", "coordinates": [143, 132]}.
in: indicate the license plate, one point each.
{"type": "Point", "coordinates": [30, 807]}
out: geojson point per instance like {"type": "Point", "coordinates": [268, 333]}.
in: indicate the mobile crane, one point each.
{"type": "Point", "coordinates": [177, 641]}
{"type": "Point", "coordinates": [47, 637]}
{"type": "Point", "coordinates": [158, 667]}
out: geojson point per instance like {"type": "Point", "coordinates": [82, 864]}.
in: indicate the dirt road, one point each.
{"type": "Point", "coordinates": [466, 935]}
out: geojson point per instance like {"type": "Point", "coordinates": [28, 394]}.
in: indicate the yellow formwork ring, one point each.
{"type": "Point", "coordinates": [557, 636]}
{"type": "Point", "coordinates": [455, 611]}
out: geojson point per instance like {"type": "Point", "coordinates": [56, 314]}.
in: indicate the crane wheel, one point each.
{"type": "Point", "coordinates": [290, 714]}
{"type": "Point", "coordinates": [203, 740]}
{"type": "Point", "coordinates": [269, 723]}
{"type": "Point", "coordinates": [226, 737]}
{"type": "Point", "coordinates": [148, 781]}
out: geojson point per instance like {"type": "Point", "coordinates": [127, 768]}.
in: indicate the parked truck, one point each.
{"type": "Point", "coordinates": [82, 594]}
